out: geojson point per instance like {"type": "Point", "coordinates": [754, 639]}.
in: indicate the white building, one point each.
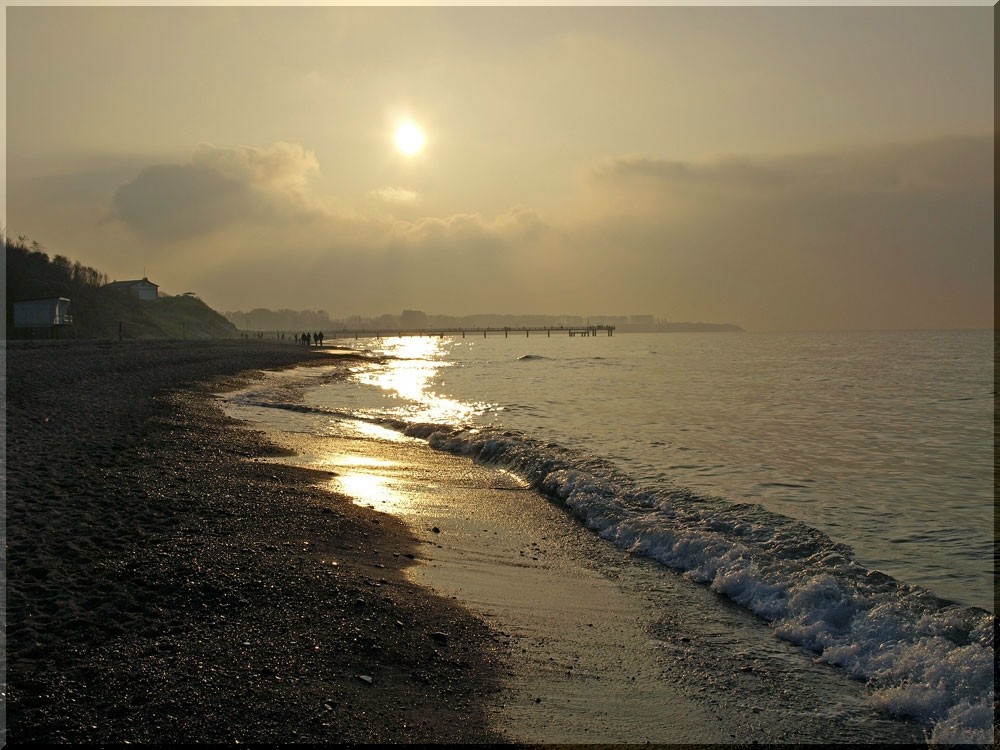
{"type": "Point", "coordinates": [142, 288]}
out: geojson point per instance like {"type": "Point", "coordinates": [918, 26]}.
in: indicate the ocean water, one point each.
{"type": "Point", "coordinates": [838, 485]}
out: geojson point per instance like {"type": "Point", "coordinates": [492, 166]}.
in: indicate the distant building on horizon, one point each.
{"type": "Point", "coordinates": [142, 288]}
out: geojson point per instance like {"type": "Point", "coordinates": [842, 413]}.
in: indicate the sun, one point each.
{"type": "Point", "coordinates": [410, 139]}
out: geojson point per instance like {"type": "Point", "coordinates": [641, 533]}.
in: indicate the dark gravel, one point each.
{"type": "Point", "coordinates": [164, 587]}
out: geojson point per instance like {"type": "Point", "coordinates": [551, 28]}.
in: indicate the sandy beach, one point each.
{"type": "Point", "coordinates": [161, 588]}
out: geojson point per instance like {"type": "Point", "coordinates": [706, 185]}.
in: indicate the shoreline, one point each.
{"type": "Point", "coordinates": [176, 575]}
{"type": "Point", "coordinates": [602, 646]}
{"type": "Point", "coordinates": [575, 673]}
{"type": "Point", "coordinates": [163, 588]}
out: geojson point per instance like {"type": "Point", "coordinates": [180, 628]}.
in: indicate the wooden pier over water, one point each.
{"type": "Point", "coordinates": [364, 333]}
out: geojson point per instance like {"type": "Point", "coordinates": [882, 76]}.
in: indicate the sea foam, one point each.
{"type": "Point", "coordinates": [924, 658]}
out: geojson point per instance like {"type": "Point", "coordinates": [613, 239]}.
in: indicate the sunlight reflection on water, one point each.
{"type": "Point", "coordinates": [412, 364]}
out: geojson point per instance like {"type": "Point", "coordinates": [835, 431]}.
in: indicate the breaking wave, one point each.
{"type": "Point", "coordinates": [924, 657]}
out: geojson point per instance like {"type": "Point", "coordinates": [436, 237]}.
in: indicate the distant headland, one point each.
{"type": "Point", "coordinates": [261, 319]}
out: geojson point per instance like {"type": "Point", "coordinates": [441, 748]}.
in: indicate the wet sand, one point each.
{"type": "Point", "coordinates": [577, 670]}
{"type": "Point", "coordinates": [603, 647]}
{"type": "Point", "coordinates": [164, 587]}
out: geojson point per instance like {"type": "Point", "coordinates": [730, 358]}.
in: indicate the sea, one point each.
{"type": "Point", "coordinates": [838, 485]}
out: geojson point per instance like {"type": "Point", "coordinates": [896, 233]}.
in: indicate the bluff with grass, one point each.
{"type": "Point", "coordinates": [100, 311]}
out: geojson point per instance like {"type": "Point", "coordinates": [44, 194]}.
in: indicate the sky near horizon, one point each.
{"type": "Point", "coordinates": [780, 168]}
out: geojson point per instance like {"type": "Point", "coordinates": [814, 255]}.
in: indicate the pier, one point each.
{"type": "Point", "coordinates": [364, 333]}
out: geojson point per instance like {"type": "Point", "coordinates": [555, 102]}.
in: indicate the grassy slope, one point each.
{"type": "Point", "coordinates": [99, 311]}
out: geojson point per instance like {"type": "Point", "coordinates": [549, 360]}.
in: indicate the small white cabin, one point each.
{"type": "Point", "coordinates": [42, 313]}
{"type": "Point", "coordinates": [142, 288]}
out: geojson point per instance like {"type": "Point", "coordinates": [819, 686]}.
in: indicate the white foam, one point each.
{"type": "Point", "coordinates": [924, 658]}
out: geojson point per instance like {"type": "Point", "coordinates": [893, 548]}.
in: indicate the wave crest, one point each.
{"type": "Point", "coordinates": [926, 658]}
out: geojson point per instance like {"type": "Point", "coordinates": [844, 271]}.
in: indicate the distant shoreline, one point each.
{"type": "Point", "coordinates": [333, 333]}
{"type": "Point", "coordinates": [681, 328]}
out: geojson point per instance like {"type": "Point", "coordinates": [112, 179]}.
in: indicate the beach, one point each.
{"type": "Point", "coordinates": [163, 586]}
{"type": "Point", "coordinates": [178, 573]}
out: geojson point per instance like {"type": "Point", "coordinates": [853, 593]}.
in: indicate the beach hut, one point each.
{"type": "Point", "coordinates": [38, 315]}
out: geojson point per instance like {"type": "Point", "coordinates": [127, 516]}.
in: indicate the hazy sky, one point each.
{"type": "Point", "coordinates": [775, 167]}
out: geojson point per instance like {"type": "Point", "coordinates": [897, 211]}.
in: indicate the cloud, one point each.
{"type": "Point", "coordinates": [396, 195]}
{"type": "Point", "coordinates": [370, 264]}
{"type": "Point", "coordinates": [469, 234]}
{"type": "Point", "coordinates": [282, 166]}
{"type": "Point", "coordinates": [888, 237]}
{"type": "Point", "coordinates": [892, 236]}
{"type": "Point", "coordinates": [940, 164]}
{"type": "Point", "coordinates": [218, 188]}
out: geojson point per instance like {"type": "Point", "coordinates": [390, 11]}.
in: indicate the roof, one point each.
{"type": "Point", "coordinates": [42, 299]}
{"type": "Point", "coordinates": [133, 282]}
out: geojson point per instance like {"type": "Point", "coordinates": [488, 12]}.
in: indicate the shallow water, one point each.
{"type": "Point", "coordinates": [882, 440]}
{"type": "Point", "coordinates": [832, 484]}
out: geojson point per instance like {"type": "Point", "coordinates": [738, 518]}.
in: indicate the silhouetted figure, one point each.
{"type": "Point", "coordinates": [319, 338]}
{"type": "Point", "coordinates": [305, 339]}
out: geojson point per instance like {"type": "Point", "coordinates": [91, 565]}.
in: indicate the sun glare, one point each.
{"type": "Point", "coordinates": [410, 139]}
